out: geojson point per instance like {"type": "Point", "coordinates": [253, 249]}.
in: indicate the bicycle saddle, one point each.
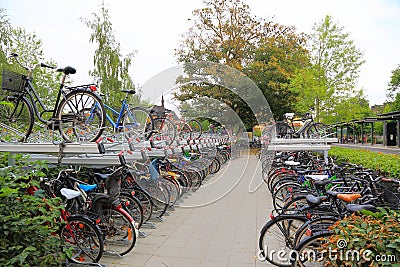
{"type": "Point", "coordinates": [87, 187]}
{"type": "Point", "coordinates": [102, 176]}
{"type": "Point", "coordinates": [314, 201]}
{"type": "Point", "coordinates": [67, 70]}
{"type": "Point", "coordinates": [358, 207]}
{"type": "Point", "coordinates": [131, 92]}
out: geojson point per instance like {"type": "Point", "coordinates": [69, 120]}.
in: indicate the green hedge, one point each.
{"type": "Point", "coordinates": [27, 223]}
{"type": "Point", "coordinates": [372, 239]}
{"type": "Point", "coordinates": [387, 164]}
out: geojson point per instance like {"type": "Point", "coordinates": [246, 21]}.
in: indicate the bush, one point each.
{"type": "Point", "coordinates": [27, 222]}
{"type": "Point", "coordinates": [387, 164]}
{"type": "Point", "coordinates": [375, 237]}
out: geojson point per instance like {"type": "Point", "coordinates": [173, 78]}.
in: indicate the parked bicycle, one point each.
{"type": "Point", "coordinates": [308, 129]}
{"type": "Point", "coordinates": [132, 121]}
{"type": "Point", "coordinates": [69, 115]}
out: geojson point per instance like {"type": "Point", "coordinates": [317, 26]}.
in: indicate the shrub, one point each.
{"type": "Point", "coordinates": [375, 237]}
{"type": "Point", "coordinates": [387, 164]}
{"type": "Point", "coordinates": [27, 223]}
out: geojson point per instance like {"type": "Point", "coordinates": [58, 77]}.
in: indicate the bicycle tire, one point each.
{"type": "Point", "coordinates": [313, 243]}
{"type": "Point", "coordinates": [16, 118]}
{"type": "Point", "coordinates": [277, 235]}
{"type": "Point", "coordinates": [282, 193]}
{"type": "Point", "coordinates": [118, 229]}
{"type": "Point", "coordinates": [137, 122]}
{"type": "Point", "coordinates": [134, 207]}
{"type": "Point", "coordinates": [316, 130]}
{"type": "Point", "coordinates": [196, 128]}
{"type": "Point", "coordinates": [146, 202]}
{"type": "Point", "coordinates": [173, 189]}
{"type": "Point", "coordinates": [78, 231]}
{"type": "Point", "coordinates": [185, 132]}
{"type": "Point", "coordinates": [161, 199]}
{"type": "Point", "coordinates": [216, 166]}
{"type": "Point", "coordinates": [164, 130]}
{"type": "Point", "coordinates": [82, 116]}
{"type": "Point", "coordinates": [315, 225]}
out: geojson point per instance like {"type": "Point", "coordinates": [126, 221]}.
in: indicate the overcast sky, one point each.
{"type": "Point", "coordinates": [153, 29]}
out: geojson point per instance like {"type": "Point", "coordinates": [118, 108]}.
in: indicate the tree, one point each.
{"type": "Point", "coordinates": [334, 69]}
{"type": "Point", "coordinates": [225, 32]}
{"type": "Point", "coordinates": [28, 46]}
{"type": "Point", "coordinates": [5, 33]}
{"type": "Point", "coordinates": [276, 61]}
{"type": "Point", "coordinates": [394, 84]}
{"type": "Point", "coordinates": [110, 66]}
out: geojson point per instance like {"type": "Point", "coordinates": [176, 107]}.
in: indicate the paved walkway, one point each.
{"type": "Point", "coordinates": [221, 233]}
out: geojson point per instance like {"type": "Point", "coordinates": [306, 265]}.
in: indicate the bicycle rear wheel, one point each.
{"type": "Point", "coordinates": [134, 207]}
{"type": "Point", "coordinates": [82, 116]}
{"type": "Point", "coordinates": [16, 119]}
{"type": "Point", "coordinates": [137, 122]}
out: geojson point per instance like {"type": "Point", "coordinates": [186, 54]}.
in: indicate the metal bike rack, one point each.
{"type": "Point", "coordinates": [88, 154]}
{"type": "Point", "coordinates": [302, 144]}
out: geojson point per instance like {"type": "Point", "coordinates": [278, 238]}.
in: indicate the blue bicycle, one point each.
{"type": "Point", "coordinates": [132, 121]}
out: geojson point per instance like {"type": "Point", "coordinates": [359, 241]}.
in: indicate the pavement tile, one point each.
{"type": "Point", "coordinates": [186, 263]}
{"type": "Point", "coordinates": [156, 261]}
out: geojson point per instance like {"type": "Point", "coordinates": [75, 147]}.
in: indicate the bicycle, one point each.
{"type": "Point", "coordinates": [132, 121]}
{"type": "Point", "coordinates": [164, 127]}
{"type": "Point", "coordinates": [309, 129]}
{"type": "Point", "coordinates": [69, 115]}
{"type": "Point", "coordinates": [78, 232]}
{"type": "Point", "coordinates": [188, 129]}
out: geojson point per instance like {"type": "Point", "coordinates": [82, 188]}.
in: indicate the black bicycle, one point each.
{"type": "Point", "coordinates": [70, 115]}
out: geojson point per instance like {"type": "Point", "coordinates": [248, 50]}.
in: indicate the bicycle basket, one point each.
{"type": "Point", "coordinates": [12, 81]}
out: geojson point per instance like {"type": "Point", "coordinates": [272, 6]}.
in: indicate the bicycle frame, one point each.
{"type": "Point", "coordinates": [116, 124]}
{"type": "Point", "coordinates": [34, 98]}
{"type": "Point", "coordinates": [120, 114]}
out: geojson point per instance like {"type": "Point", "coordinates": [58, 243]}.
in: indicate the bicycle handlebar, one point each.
{"type": "Point", "coordinates": [67, 70]}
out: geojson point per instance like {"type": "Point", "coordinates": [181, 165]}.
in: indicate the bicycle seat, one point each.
{"type": "Point", "coordinates": [317, 177]}
{"type": "Point", "coordinates": [67, 70]}
{"type": "Point", "coordinates": [321, 183]}
{"type": "Point", "coordinates": [87, 187]}
{"type": "Point", "coordinates": [69, 193]}
{"type": "Point", "coordinates": [348, 197]}
{"type": "Point", "coordinates": [314, 201]}
{"type": "Point", "coordinates": [102, 176]}
{"type": "Point", "coordinates": [131, 92]}
{"type": "Point", "coordinates": [358, 207]}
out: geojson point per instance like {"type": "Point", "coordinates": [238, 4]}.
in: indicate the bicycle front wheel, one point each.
{"type": "Point", "coordinates": [165, 130]}
{"type": "Point", "coordinates": [16, 119]}
{"type": "Point", "coordinates": [276, 239]}
{"type": "Point", "coordinates": [85, 239]}
{"type": "Point", "coordinates": [317, 130]}
{"type": "Point", "coordinates": [197, 129]}
{"type": "Point", "coordinates": [119, 231]}
{"type": "Point", "coordinates": [185, 132]}
{"type": "Point", "coordinates": [137, 122]}
{"type": "Point", "coordinates": [82, 116]}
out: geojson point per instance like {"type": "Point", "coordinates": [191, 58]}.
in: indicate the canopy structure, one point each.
{"type": "Point", "coordinates": [346, 132]}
